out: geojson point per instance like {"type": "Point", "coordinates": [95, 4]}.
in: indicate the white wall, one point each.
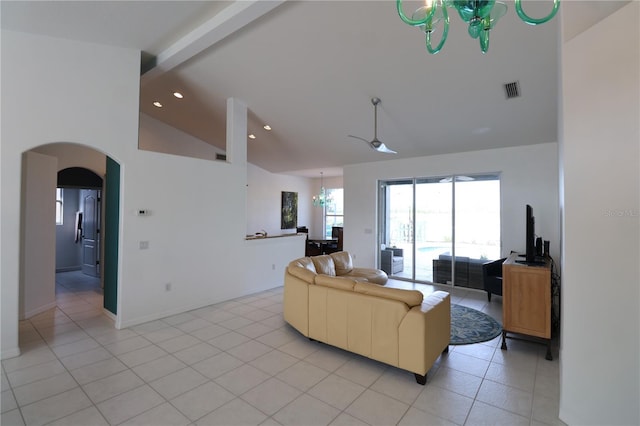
{"type": "Point", "coordinates": [529, 175]}
{"type": "Point", "coordinates": [264, 200]}
{"type": "Point", "coordinates": [73, 155]}
{"type": "Point", "coordinates": [38, 262]}
{"type": "Point", "coordinates": [600, 355]}
{"type": "Point", "coordinates": [267, 258]}
{"type": "Point", "coordinates": [263, 188]}
{"type": "Point", "coordinates": [87, 94]}
{"type": "Point", "coordinates": [73, 92]}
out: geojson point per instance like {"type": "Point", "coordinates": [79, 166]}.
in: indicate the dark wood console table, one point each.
{"type": "Point", "coordinates": [317, 247]}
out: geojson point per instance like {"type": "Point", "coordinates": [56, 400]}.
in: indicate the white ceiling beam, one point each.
{"type": "Point", "coordinates": [229, 20]}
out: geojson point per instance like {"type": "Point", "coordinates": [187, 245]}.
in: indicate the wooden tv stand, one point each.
{"type": "Point", "coordinates": [526, 300]}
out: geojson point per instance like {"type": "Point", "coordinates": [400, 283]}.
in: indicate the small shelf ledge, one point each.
{"type": "Point", "coordinates": [262, 237]}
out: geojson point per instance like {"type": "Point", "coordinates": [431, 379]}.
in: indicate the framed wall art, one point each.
{"type": "Point", "coordinates": [289, 210]}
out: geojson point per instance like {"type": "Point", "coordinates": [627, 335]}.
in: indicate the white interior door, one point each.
{"type": "Point", "coordinates": [90, 206]}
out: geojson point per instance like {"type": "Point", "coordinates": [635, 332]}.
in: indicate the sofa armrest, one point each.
{"type": "Point", "coordinates": [425, 332]}
{"type": "Point", "coordinates": [409, 297]}
{"type": "Point", "coordinates": [295, 303]}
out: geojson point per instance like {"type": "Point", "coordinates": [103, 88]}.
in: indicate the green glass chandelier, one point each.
{"type": "Point", "coordinates": [323, 198]}
{"type": "Point", "coordinates": [481, 15]}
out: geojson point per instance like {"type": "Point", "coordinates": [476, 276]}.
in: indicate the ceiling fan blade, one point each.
{"type": "Point", "coordinates": [383, 148]}
{"type": "Point", "coordinates": [358, 137]}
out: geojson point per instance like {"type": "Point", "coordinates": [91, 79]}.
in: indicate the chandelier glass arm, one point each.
{"type": "Point", "coordinates": [413, 22]}
{"type": "Point", "coordinates": [533, 21]}
{"type": "Point", "coordinates": [481, 15]}
{"type": "Point", "coordinates": [445, 32]}
{"type": "Point", "coordinates": [484, 41]}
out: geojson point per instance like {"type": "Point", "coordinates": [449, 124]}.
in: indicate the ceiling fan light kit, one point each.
{"type": "Point", "coordinates": [481, 15]}
{"type": "Point", "coordinates": [375, 143]}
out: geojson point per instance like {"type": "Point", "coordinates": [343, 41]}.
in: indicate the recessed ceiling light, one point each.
{"type": "Point", "coordinates": [157, 104]}
{"type": "Point", "coordinates": [178, 95]}
{"type": "Point", "coordinates": [252, 136]}
{"type": "Point", "coordinates": [267, 127]}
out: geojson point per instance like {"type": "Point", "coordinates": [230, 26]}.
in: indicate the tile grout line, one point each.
{"type": "Point", "coordinates": [13, 394]}
{"type": "Point", "coordinates": [229, 306]}
{"type": "Point", "coordinates": [69, 372]}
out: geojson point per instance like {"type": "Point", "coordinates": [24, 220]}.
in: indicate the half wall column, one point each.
{"type": "Point", "coordinates": [236, 132]}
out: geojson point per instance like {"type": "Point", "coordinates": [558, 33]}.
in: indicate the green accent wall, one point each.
{"type": "Point", "coordinates": [111, 233]}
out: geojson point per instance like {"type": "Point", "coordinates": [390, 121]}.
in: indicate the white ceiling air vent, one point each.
{"type": "Point", "coordinates": [512, 90]}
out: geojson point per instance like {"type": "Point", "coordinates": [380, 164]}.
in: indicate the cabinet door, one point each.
{"type": "Point", "coordinates": [527, 301]}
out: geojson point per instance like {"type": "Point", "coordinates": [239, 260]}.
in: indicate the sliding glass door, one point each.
{"type": "Point", "coordinates": [434, 234]}
{"type": "Point", "coordinates": [439, 229]}
{"type": "Point", "coordinates": [477, 227]}
{"type": "Point", "coordinates": [396, 230]}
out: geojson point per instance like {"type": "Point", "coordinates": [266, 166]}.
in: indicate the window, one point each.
{"type": "Point", "coordinates": [334, 212]}
{"type": "Point", "coordinates": [59, 209]}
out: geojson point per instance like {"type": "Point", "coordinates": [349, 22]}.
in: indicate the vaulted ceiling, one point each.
{"type": "Point", "coordinates": [310, 68]}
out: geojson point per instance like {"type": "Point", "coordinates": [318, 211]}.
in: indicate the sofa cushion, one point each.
{"type": "Point", "coordinates": [324, 265]}
{"type": "Point", "coordinates": [343, 262]}
{"type": "Point", "coordinates": [340, 283]}
{"type": "Point", "coordinates": [304, 262]}
{"type": "Point", "coordinates": [375, 276]}
{"type": "Point", "coordinates": [409, 297]}
{"type": "Point", "coordinates": [303, 273]}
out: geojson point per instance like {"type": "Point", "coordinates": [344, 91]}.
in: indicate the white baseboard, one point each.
{"type": "Point", "coordinates": [68, 269]}
{"type": "Point", "coordinates": [38, 310]}
{"type": "Point", "coordinates": [110, 314]}
{"type": "Point", "coordinates": [160, 315]}
{"type": "Point", "coordinates": [10, 353]}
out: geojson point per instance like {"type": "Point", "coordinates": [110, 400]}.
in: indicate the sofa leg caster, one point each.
{"type": "Point", "coordinates": [446, 350]}
{"type": "Point", "coordinates": [422, 380]}
{"type": "Point", "coordinates": [489, 296]}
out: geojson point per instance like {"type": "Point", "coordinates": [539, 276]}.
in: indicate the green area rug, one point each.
{"type": "Point", "coordinates": [471, 326]}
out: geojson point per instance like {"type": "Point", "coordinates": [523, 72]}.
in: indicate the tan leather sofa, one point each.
{"type": "Point", "coordinates": [326, 300]}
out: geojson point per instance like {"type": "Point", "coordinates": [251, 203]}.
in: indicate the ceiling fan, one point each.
{"type": "Point", "coordinates": [375, 143]}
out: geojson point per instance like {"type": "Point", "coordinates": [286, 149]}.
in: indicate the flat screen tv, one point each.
{"type": "Point", "coordinates": [530, 255]}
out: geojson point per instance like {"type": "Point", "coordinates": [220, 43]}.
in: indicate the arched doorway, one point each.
{"type": "Point", "coordinates": [80, 167]}
{"type": "Point", "coordinates": [79, 221]}
{"type": "Point", "coordinates": [79, 244]}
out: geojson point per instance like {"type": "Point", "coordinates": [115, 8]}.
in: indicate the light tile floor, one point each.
{"type": "Point", "coordinates": [238, 363]}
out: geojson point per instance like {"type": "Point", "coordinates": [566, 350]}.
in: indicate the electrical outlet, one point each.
{"type": "Point", "coordinates": [167, 287]}
{"type": "Point", "coordinates": [273, 266]}
{"type": "Point", "coordinates": [144, 245]}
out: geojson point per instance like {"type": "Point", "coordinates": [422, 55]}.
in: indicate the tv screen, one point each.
{"type": "Point", "coordinates": [531, 236]}
{"type": "Point", "coordinates": [532, 254]}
